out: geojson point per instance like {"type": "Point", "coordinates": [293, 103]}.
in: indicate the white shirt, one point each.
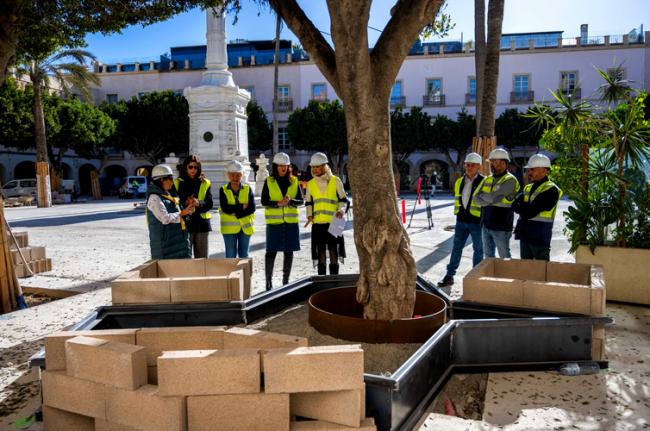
{"type": "Point", "coordinates": [467, 190]}
{"type": "Point", "coordinates": [157, 208]}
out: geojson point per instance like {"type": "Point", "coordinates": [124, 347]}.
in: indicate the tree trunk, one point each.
{"type": "Point", "coordinates": [276, 64]}
{"type": "Point", "coordinates": [8, 22]}
{"type": "Point", "coordinates": [479, 56]}
{"type": "Point", "coordinates": [42, 162]}
{"type": "Point", "coordinates": [488, 99]}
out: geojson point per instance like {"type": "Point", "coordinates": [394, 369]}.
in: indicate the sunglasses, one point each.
{"type": "Point", "coordinates": [193, 167]}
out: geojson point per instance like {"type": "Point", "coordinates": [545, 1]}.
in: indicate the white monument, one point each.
{"type": "Point", "coordinates": [218, 132]}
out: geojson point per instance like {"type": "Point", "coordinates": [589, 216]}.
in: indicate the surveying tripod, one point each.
{"type": "Point", "coordinates": [427, 202]}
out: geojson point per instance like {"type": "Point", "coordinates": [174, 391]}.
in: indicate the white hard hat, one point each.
{"type": "Point", "coordinates": [281, 159]}
{"type": "Point", "coordinates": [538, 161]}
{"type": "Point", "coordinates": [318, 159]}
{"type": "Point", "coordinates": [160, 171]}
{"type": "Point", "coordinates": [499, 154]}
{"type": "Point", "coordinates": [234, 166]}
{"type": "Point", "coordinates": [473, 158]}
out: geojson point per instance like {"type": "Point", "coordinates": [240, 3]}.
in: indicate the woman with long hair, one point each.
{"type": "Point", "coordinates": [194, 192]}
{"type": "Point", "coordinates": [237, 211]}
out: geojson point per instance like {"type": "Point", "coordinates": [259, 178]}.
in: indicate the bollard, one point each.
{"type": "Point", "coordinates": [403, 211]}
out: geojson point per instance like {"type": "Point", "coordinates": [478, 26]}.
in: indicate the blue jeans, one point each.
{"type": "Point", "coordinates": [236, 244]}
{"type": "Point", "coordinates": [496, 238]}
{"type": "Point", "coordinates": [461, 232]}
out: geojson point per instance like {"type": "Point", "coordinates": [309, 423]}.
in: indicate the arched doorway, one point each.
{"type": "Point", "coordinates": [85, 181]}
{"type": "Point", "coordinates": [66, 172]}
{"type": "Point", "coordinates": [144, 171]}
{"type": "Point", "coordinates": [111, 180]}
{"type": "Point", "coordinates": [25, 170]}
{"type": "Point", "coordinates": [405, 180]}
{"type": "Point", "coordinates": [440, 168]}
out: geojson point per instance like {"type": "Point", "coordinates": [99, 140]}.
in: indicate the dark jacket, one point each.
{"type": "Point", "coordinates": [237, 209]}
{"type": "Point", "coordinates": [464, 214]}
{"type": "Point", "coordinates": [531, 231]}
{"type": "Point", "coordinates": [283, 183]}
{"type": "Point", "coordinates": [498, 218]}
{"type": "Point", "coordinates": [190, 187]}
{"type": "Point", "coordinates": [167, 241]}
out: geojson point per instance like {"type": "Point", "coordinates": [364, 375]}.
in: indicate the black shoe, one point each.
{"type": "Point", "coordinates": [447, 281]}
{"type": "Point", "coordinates": [269, 285]}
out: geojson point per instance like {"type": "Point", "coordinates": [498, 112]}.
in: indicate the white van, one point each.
{"type": "Point", "coordinates": [15, 188]}
{"type": "Point", "coordinates": [134, 186]}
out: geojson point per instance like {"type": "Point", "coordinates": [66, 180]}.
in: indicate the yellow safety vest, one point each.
{"type": "Point", "coordinates": [230, 224]}
{"type": "Point", "coordinates": [544, 216]}
{"type": "Point", "coordinates": [203, 190]}
{"type": "Point", "coordinates": [474, 209]}
{"type": "Point", "coordinates": [489, 184]}
{"type": "Point", "coordinates": [325, 204]}
{"type": "Point", "coordinates": [286, 214]}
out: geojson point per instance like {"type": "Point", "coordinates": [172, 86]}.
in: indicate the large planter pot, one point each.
{"type": "Point", "coordinates": [625, 270]}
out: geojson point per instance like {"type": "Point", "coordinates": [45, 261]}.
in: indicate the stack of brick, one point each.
{"type": "Point", "coordinates": [200, 378]}
{"type": "Point", "coordinates": [35, 256]}
{"type": "Point", "coordinates": [184, 281]}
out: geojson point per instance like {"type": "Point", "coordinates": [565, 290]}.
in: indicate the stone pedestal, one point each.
{"type": "Point", "coordinates": [262, 174]}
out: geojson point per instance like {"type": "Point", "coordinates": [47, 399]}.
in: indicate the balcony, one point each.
{"type": "Point", "coordinates": [433, 100]}
{"type": "Point", "coordinates": [575, 93]}
{"type": "Point", "coordinates": [522, 96]}
{"type": "Point", "coordinates": [284, 105]}
{"type": "Point", "coordinates": [470, 98]}
{"type": "Point", "coordinates": [398, 102]}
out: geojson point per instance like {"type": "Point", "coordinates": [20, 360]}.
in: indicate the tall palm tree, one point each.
{"type": "Point", "coordinates": [276, 63]}
{"type": "Point", "coordinates": [68, 68]}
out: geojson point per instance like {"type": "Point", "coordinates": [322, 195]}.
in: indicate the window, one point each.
{"type": "Point", "coordinates": [283, 92]}
{"type": "Point", "coordinates": [396, 97]}
{"type": "Point", "coordinates": [568, 81]}
{"type": "Point", "coordinates": [111, 98]}
{"type": "Point", "coordinates": [251, 90]}
{"type": "Point", "coordinates": [434, 89]}
{"type": "Point", "coordinates": [283, 139]}
{"type": "Point", "coordinates": [319, 91]}
{"type": "Point", "coordinates": [520, 85]}
{"type": "Point", "coordinates": [471, 88]}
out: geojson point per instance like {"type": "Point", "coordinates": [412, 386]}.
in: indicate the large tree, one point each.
{"type": "Point", "coordinates": [260, 133]}
{"type": "Point", "coordinates": [410, 131]}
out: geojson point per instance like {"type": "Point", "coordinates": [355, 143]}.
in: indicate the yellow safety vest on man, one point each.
{"type": "Point", "coordinates": [474, 209]}
{"type": "Point", "coordinates": [489, 184]}
{"type": "Point", "coordinates": [544, 216]}
{"type": "Point", "coordinates": [230, 224]}
{"type": "Point", "coordinates": [203, 190]}
{"type": "Point", "coordinates": [285, 214]}
{"type": "Point", "coordinates": [325, 204]}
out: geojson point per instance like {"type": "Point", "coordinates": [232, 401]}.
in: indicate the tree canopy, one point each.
{"type": "Point", "coordinates": [259, 128]}
{"type": "Point", "coordinates": [410, 131]}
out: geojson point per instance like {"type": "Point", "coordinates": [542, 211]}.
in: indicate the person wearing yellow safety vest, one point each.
{"type": "Point", "coordinates": [536, 207]}
{"type": "Point", "coordinates": [468, 217]}
{"type": "Point", "coordinates": [194, 191]}
{"type": "Point", "coordinates": [237, 211]}
{"type": "Point", "coordinates": [324, 200]}
{"type": "Point", "coordinates": [168, 237]}
{"type": "Point", "coordinates": [281, 197]}
{"type": "Point", "coordinates": [495, 197]}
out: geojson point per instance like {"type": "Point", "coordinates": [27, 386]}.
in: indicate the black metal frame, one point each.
{"type": "Point", "coordinates": [478, 337]}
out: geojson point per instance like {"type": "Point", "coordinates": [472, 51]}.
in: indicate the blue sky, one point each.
{"type": "Point", "coordinates": [147, 43]}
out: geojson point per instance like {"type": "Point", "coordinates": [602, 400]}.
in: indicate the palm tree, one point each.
{"type": "Point", "coordinates": [276, 63]}
{"type": "Point", "coordinates": [69, 70]}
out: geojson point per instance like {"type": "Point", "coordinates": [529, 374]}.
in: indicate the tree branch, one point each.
{"type": "Point", "coordinates": [312, 40]}
{"type": "Point", "coordinates": [408, 19]}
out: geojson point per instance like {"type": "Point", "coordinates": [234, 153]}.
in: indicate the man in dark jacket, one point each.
{"type": "Point", "coordinates": [536, 207]}
{"type": "Point", "coordinates": [468, 217]}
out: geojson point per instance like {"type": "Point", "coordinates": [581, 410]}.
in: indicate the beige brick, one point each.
{"type": "Point", "coordinates": [568, 298]}
{"type": "Point", "coordinates": [598, 304]}
{"type": "Point", "coordinates": [55, 343]}
{"type": "Point", "coordinates": [73, 395]}
{"type": "Point", "coordinates": [157, 340]}
{"type": "Point", "coordinates": [59, 420]}
{"type": "Point", "coordinates": [27, 253]}
{"type": "Point", "coordinates": [244, 412]}
{"type": "Point", "coordinates": [313, 369]}
{"type": "Point", "coordinates": [37, 253]}
{"type": "Point", "coordinates": [141, 291]}
{"type": "Point", "coordinates": [367, 424]}
{"type": "Point", "coordinates": [598, 343]}
{"type": "Point", "coordinates": [520, 269]}
{"type": "Point", "coordinates": [226, 266]}
{"type": "Point", "coordinates": [147, 270]}
{"type": "Point", "coordinates": [236, 286]}
{"type": "Point", "coordinates": [571, 273]}
{"type": "Point", "coordinates": [245, 338]}
{"type": "Point", "coordinates": [181, 268]}
{"type": "Point", "coordinates": [209, 372]}
{"type": "Point", "coordinates": [48, 264]}
{"type": "Point", "coordinates": [200, 289]}
{"type": "Point", "coordinates": [112, 363]}
{"type": "Point", "coordinates": [145, 409]}
{"type": "Point", "coordinates": [339, 407]}
{"type": "Point", "coordinates": [152, 375]}
{"type": "Point", "coordinates": [491, 290]}
{"type": "Point", "coordinates": [102, 425]}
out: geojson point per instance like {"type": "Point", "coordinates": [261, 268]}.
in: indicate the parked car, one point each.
{"type": "Point", "coordinates": [15, 188]}
{"type": "Point", "coordinates": [134, 186]}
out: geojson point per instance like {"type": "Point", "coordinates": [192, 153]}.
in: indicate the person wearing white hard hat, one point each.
{"type": "Point", "coordinates": [237, 211]}
{"type": "Point", "coordinates": [496, 196]}
{"type": "Point", "coordinates": [324, 200]}
{"type": "Point", "coordinates": [536, 207]}
{"type": "Point", "coordinates": [468, 217]}
{"type": "Point", "coordinates": [281, 197]}
{"type": "Point", "coordinates": [168, 237]}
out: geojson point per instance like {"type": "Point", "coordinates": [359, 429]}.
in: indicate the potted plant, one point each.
{"type": "Point", "coordinates": [601, 151]}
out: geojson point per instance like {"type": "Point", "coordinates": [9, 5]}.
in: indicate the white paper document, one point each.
{"type": "Point", "coordinates": [337, 226]}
